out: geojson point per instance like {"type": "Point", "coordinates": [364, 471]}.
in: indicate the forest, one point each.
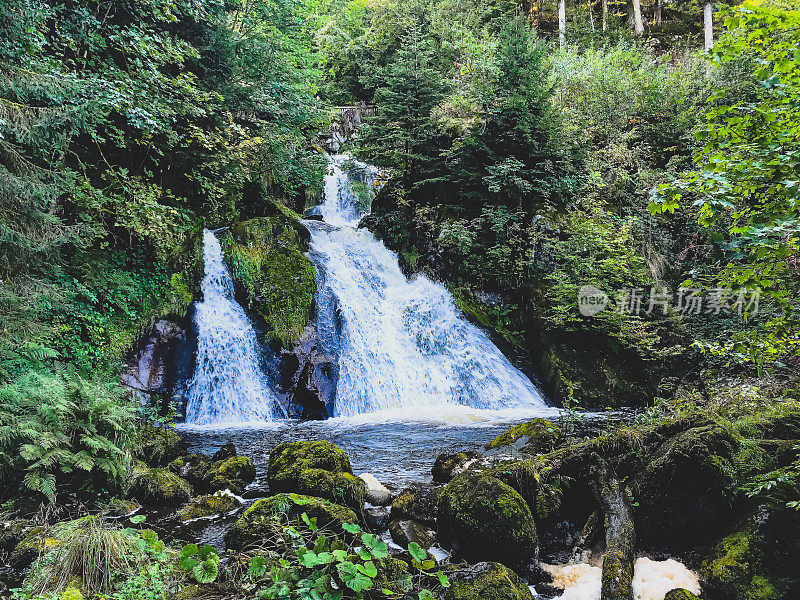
{"type": "Point", "coordinates": [559, 238]}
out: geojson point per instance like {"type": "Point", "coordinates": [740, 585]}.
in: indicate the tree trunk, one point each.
{"type": "Point", "coordinates": [708, 26]}
{"type": "Point", "coordinates": [657, 13]}
{"type": "Point", "coordinates": [562, 21]}
{"type": "Point", "coordinates": [617, 578]}
{"type": "Point", "coordinates": [635, 17]}
{"type": "Point", "coordinates": [605, 15]}
{"type": "Point", "coordinates": [591, 15]}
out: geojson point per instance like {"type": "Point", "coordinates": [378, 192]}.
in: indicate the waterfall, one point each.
{"type": "Point", "coordinates": [228, 386]}
{"type": "Point", "coordinates": [402, 344]}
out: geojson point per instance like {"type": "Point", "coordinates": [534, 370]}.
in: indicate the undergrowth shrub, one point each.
{"type": "Point", "coordinates": [61, 433]}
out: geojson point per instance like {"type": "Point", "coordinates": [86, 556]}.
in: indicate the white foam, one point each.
{"type": "Point", "coordinates": [652, 579]}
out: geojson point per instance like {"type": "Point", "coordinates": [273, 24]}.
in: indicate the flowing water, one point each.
{"type": "Point", "coordinates": [402, 345]}
{"type": "Point", "coordinates": [227, 386]}
{"type": "Point", "coordinates": [413, 377]}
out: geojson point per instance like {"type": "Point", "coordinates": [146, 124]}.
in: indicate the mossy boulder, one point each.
{"type": "Point", "coordinates": [485, 581]}
{"type": "Point", "coordinates": [534, 437]}
{"type": "Point", "coordinates": [758, 561]}
{"type": "Point", "coordinates": [404, 532]}
{"type": "Point", "coordinates": [12, 532]}
{"type": "Point", "coordinates": [159, 446]}
{"type": "Point", "coordinates": [270, 270]}
{"type": "Point", "coordinates": [211, 474]}
{"type": "Point", "coordinates": [188, 592]}
{"type": "Point", "coordinates": [448, 466]}
{"type": "Point", "coordinates": [159, 486]}
{"type": "Point", "coordinates": [208, 506]}
{"type": "Point", "coordinates": [316, 468]}
{"type": "Point", "coordinates": [681, 594]}
{"type": "Point", "coordinates": [685, 489]}
{"type": "Point", "coordinates": [262, 520]}
{"type": "Point", "coordinates": [481, 518]}
{"type": "Point", "coordinates": [418, 502]}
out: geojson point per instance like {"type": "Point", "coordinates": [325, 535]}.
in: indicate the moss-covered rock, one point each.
{"type": "Point", "coordinates": [121, 508]}
{"type": "Point", "coordinates": [208, 506]}
{"type": "Point", "coordinates": [70, 593]}
{"type": "Point", "coordinates": [481, 518]}
{"type": "Point", "coordinates": [12, 532]}
{"type": "Point", "coordinates": [269, 267]}
{"type": "Point", "coordinates": [448, 466]}
{"type": "Point", "coordinates": [533, 437]}
{"type": "Point", "coordinates": [417, 502]}
{"type": "Point", "coordinates": [686, 489]}
{"type": "Point", "coordinates": [316, 468]}
{"type": "Point", "coordinates": [188, 592]}
{"type": "Point", "coordinates": [486, 581]}
{"type": "Point", "coordinates": [262, 520]}
{"type": "Point", "coordinates": [393, 575]}
{"type": "Point", "coordinates": [159, 486]}
{"type": "Point", "coordinates": [758, 561]}
{"type": "Point", "coordinates": [160, 446]}
{"type": "Point", "coordinates": [210, 474]}
{"type": "Point", "coordinates": [681, 594]}
{"type": "Point", "coordinates": [404, 532]}
{"type": "Point", "coordinates": [34, 542]}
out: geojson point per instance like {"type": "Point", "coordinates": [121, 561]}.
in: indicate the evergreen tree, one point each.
{"type": "Point", "coordinates": [401, 136]}
{"type": "Point", "coordinates": [515, 157]}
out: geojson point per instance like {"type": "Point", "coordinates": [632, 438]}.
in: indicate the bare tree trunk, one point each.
{"type": "Point", "coordinates": [635, 17]}
{"type": "Point", "coordinates": [708, 25]}
{"type": "Point", "coordinates": [591, 15]}
{"type": "Point", "coordinates": [657, 13]}
{"type": "Point", "coordinates": [605, 15]}
{"type": "Point", "coordinates": [562, 21]}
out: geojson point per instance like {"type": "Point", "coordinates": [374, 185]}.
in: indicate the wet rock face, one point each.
{"type": "Point", "coordinates": [377, 493]}
{"type": "Point", "coordinates": [208, 506]}
{"type": "Point", "coordinates": [418, 502]}
{"type": "Point", "coordinates": [448, 466]}
{"type": "Point", "coordinates": [685, 490]}
{"type": "Point", "coordinates": [160, 363]}
{"type": "Point", "coordinates": [485, 581]}
{"type": "Point", "coordinates": [481, 518]}
{"type": "Point", "coordinates": [319, 469]}
{"type": "Point", "coordinates": [404, 532]}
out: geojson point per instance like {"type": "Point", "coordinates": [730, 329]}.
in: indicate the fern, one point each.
{"type": "Point", "coordinates": [54, 425]}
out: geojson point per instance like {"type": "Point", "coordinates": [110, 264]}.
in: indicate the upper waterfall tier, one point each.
{"type": "Point", "coordinates": [228, 386]}
{"type": "Point", "coordinates": [401, 344]}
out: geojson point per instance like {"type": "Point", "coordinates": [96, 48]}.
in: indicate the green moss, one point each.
{"type": "Point", "coordinates": [71, 593]}
{"type": "Point", "coordinates": [417, 502]}
{"type": "Point", "coordinates": [266, 259]}
{"type": "Point", "coordinates": [482, 518]}
{"type": "Point", "coordinates": [316, 468]}
{"type": "Point", "coordinates": [447, 466]}
{"type": "Point", "coordinates": [207, 506]}
{"type": "Point", "coordinates": [208, 475]}
{"type": "Point", "coordinates": [341, 488]}
{"type": "Point", "coordinates": [188, 592]}
{"type": "Point", "coordinates": [159, 446]}
{"type": "Point", "coordinates": [393, 575]}
{"type": "Point", "coordinates": [404, 532]}
{"type": "Point", "coordinates": [680, 594]}
{"type": "Point", "coordinates": [541, 434]}
{"type": "Point", "coordinates": [736, 568]}
{"type": "Point", "coordinates": [486, 581]}
{"type": "Point", "coordinates": [262, 520]}
{"type": "Point", "coordinates": [159, 486]}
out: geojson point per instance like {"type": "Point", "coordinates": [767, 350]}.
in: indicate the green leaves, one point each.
{"type": "Point", "coordinates": [201, 563]}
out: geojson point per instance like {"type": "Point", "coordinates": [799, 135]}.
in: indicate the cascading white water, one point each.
{"type": "Point", "coordinates": [228, 386]}
{"type": "Point", "coordinates": [403, 345]}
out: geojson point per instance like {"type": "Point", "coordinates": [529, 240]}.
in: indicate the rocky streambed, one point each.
{"type": "Point", "coordinates": [646, 511]}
